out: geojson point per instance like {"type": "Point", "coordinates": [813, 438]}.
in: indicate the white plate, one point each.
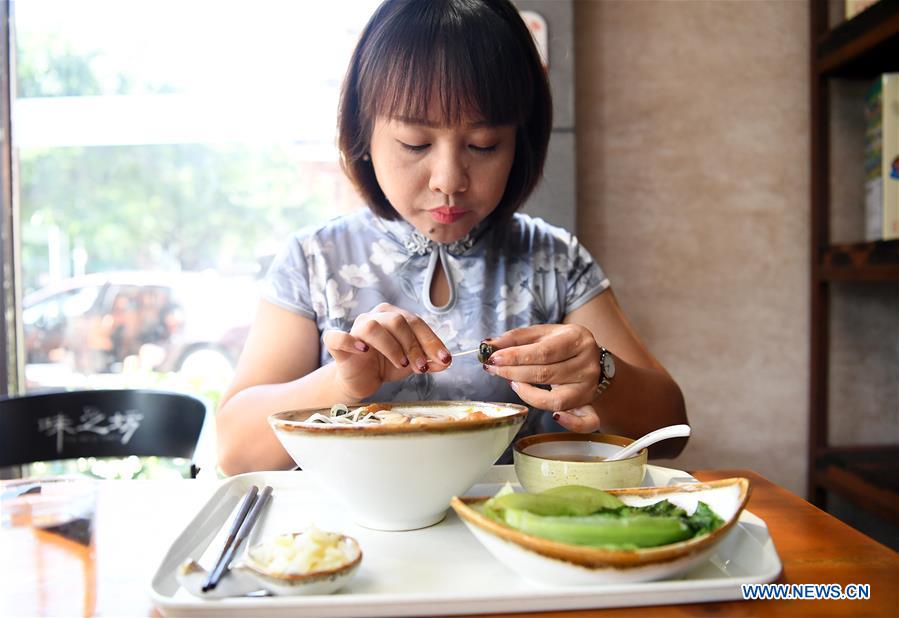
{"type": "Point", "coordinates": [438, 570]}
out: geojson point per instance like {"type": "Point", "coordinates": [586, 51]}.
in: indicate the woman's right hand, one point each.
{"type": "Point", "coordinates": [384, 345]}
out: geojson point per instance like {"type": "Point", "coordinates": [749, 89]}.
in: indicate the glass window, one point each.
{"type": "Point", "coordinates": [165, 150]}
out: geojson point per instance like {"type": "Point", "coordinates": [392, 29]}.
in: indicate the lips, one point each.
{"type": "Point", "coordinates": [447, 214]}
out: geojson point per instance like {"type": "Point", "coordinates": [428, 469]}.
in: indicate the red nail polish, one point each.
{"type": "Point", "coordinates": [555, 417]}
{"type": "Point", "coordinates": [404, 361]}
{"type": "Point", "coordinates": [491, 361]}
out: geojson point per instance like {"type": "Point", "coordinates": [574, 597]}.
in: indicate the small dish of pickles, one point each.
{"type": "Point", "coordinates": [310, 562]}
{"type": "Point", "coordinates": [577, 535]}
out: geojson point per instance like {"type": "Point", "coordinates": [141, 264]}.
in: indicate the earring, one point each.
{"type": "Point", "coordinates": [366, 157]}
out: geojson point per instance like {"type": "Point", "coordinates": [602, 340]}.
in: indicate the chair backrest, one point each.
{"type": "Point", "coordinates": [101, 423]}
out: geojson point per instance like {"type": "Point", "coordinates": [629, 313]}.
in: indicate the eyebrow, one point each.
{"type": "Point", "coordinates": [425, 122]}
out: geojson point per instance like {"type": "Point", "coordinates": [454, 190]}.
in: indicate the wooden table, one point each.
{"type": "Point", "coordinates": [136, 521]}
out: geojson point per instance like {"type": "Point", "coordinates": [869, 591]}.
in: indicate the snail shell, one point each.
{"type": "Point", "coordinates": [484, 352]}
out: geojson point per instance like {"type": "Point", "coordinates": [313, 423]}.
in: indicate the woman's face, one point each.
{"type": "Point", "coordinates": [443, 180]}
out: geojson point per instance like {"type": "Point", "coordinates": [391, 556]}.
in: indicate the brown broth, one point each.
{"type": "Point", "coordinates": [584, 458]}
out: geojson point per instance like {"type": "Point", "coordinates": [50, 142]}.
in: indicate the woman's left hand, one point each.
{"type": "Point", "coordinates": [563, 356]}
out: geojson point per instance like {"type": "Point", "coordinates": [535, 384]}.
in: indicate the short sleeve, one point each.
{"type": "Point", "coordinates": [585, 278]}
{"type": "Point", "coordinates": [287, 280]}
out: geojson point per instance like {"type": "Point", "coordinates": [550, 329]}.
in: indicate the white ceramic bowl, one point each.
{"type": "Point", "coordinates": [543, 562]}
{"type": "Point", "coordinates": [400, 477]}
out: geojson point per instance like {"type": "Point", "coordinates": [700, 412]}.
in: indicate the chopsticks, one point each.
{"type": "Point", "coordinates": [246, 518]}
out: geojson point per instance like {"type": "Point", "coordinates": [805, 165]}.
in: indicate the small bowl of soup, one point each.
{"type": "Point", "coordinates": [549, 460]}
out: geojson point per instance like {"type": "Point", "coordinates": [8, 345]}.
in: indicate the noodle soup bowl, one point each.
{"type": "Point", "coordinates": [400, 476]}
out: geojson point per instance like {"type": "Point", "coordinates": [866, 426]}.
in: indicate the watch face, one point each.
{"type": "Point", "coordinates": [608, 365]}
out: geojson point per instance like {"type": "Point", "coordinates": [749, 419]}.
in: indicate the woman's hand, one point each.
{"type": "Point", "coordinates": [563, 356]}
{"type": "Point", "coordinates": [384, 345]}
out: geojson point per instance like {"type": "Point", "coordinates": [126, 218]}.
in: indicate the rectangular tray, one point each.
{"type": "Point", "coordinates": [438, 570]}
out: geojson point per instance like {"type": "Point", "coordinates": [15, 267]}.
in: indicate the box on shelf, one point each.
{"type": "Point", "coordinates": [882, 159]}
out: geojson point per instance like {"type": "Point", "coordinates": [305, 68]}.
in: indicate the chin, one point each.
{"type": "Point", "coordinates": [446, 234]}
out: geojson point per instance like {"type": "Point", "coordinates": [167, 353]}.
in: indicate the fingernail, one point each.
{"type": "Point", "coordinates": [422, 364]}
{"type": "Point", "coordinates": [490, 370]}
{"type": "Point", "coordinates": [488, 340]}
{"type": "Point", "coordinates": [404, 361]}
{"type": "Point", "coordinates": [444, 356]}
{"type": "Point", "coordinates": [361, 346]}
{"type": "Point", "coordinates": [492, 361]}
{"type": "Point", "coordinates": [514, 385]}
{"type": "Point", "coordinates": [556, 416]}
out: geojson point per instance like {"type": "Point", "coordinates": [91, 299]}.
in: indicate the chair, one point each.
{"type": "Point", "coordinates": [99, 423]}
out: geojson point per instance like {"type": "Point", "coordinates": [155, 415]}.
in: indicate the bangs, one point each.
{"type": "Point", "coordinates": [466, 65]}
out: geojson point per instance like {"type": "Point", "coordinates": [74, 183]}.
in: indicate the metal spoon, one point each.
{"type": "Point", "coordinates": [672, 431]}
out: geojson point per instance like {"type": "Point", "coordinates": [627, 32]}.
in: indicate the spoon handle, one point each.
{"type": "Point", "coordinates": [672, 431]}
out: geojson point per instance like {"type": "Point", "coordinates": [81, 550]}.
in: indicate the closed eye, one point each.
{"type": "Point", "coordinates": [483, 149]}
{"type": "Point", "coordinates": [414, 147]}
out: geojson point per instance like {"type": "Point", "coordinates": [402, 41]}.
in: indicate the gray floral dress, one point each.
{"type": "Point", "coordinates": [502, 277]}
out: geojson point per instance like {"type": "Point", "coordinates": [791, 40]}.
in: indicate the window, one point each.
{"type": "Point", "coordinates": [164, 151]}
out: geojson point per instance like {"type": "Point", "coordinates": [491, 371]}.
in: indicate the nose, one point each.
{"type": "Point", "coordinates": [449, 173]}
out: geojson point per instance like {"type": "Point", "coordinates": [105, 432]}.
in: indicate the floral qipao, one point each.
{"type": "Point", "coordinates": [500, 277]}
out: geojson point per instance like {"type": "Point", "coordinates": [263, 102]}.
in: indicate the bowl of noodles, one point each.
{"type": "Point", "coordinates": [396, 466]}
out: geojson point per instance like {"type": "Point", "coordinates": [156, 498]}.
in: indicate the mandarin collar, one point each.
{"type": "Point", "coordinates": [414, 243]}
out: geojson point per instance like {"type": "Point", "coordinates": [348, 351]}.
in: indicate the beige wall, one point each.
{"type": "Point", "coordinates": [693, 194]}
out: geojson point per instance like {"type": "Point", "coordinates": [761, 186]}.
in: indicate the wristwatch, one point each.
{"type": "Point", "coordinates": [606, 370]}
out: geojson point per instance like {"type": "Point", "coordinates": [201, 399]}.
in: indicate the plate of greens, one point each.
{"type": "Point", "coordinates": [574, 535]}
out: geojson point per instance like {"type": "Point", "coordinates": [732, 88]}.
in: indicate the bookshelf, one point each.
{"type": "Point", "coordinates": [856, 49]}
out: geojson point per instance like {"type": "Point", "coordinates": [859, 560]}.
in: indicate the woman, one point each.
{"type": "Point", "coordinates": [445, 117]}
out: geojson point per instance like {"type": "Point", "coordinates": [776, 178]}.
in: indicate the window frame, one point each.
{"type": "Point", "coordinates": [10, 357]}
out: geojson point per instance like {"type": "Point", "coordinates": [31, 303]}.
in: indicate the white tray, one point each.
{"type": "Point", "coordinates": [438, 570]}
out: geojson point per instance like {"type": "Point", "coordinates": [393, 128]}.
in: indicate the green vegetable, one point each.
{"type": "Point", "coordinates": [662, 507]}
{"type": "Point", "coordinates": [542, 504]}
{"type": "Point", "coordinates": [566, 500]}
{"type": "Point", "coordinates": [601, 529]}
{"type": "Point", "coordinates": [704, 520]}
{"type": "Point", "coordinates": [585, 516]}
{"type": "Point", "coordinates": [489, 513]}
{"type": "Point", "coordinates": [596, 498]}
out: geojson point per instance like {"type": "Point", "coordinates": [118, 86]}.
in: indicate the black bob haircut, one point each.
{"type": "Point", "coordinates": [477, 57]}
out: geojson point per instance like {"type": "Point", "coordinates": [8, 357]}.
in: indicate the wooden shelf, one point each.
{"type": "Point", "coordinates": [867, 261]}
{"type": "Point", "coordinates": [868, 477]}
{"type": "Point", "coordinates": [875, 450]}
{"type": "Point", "coordinates": [862, 47]}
